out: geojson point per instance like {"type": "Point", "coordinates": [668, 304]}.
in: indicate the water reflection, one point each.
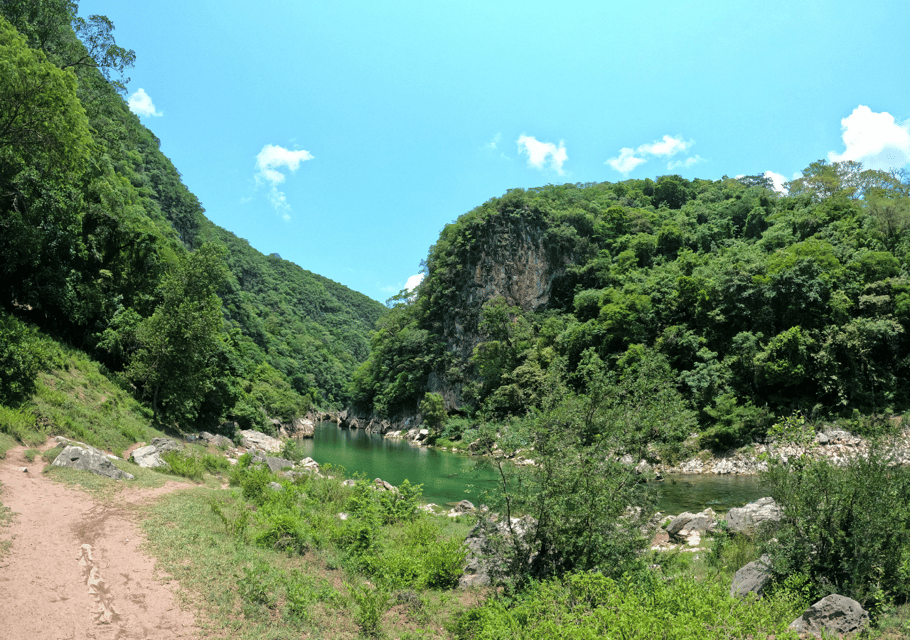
{"type": "Point", "coordinates": [448, 477]}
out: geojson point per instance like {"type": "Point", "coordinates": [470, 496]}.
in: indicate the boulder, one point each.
{"type": "Point", "coordinates": [832, 614]}
{"type": "Point", "coordinates": [92, 460]}
{"type": "Point", "coordinates": [258, 441]}
{"type": "Point", "coordinates": [686, 524]}
{"type": "Point", "coordinates": [218, 440]}
{"type": "Point", "coordinates": [349, 483]}
{"type": "Point", "coordinates": [274, 464]}
{"type": "Point", "coordinates": [382, 485]}
{"type": "Point", "coordinates": [747, 519]}
{"type": "Point", "coordinates": [274, 486]}
{"type": "Point", "coordinates": [752, 578]}
{"type": "Point", "coordinates": [303, 428]}
{"type": "Point", "coordinates": [149, 456]}
{"type": "Point", "coordinates": [465, 506]}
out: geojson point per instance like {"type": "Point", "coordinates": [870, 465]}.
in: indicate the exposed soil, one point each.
{"type": "Point", "coordinates": [75, 569]}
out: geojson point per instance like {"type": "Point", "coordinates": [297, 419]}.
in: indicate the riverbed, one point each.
{"type": "Point", "coordinates": [449, 477]}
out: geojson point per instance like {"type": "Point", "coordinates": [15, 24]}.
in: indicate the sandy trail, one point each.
{"type": "Point", "coordinates": [75, 569]}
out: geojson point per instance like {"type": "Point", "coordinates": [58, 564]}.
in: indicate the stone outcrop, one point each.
{"type": "Point", "coordinates": [92, 460]}
{"type": "Point", "coordinates": [258, 441]}
{"type": "Point", "coordinates": [834, 445]}
{"type": "Point", "coordinates": [149, 456]}
{"type": "Point", "coordinates": [752, 578]}
{"type": "Point", "coordinates": [274, 464]}
{"type": "Point", "coordinates": [832, 614]}
{"type": "Point", "coordinates": [748, 519]}
{"type": "Point", "coordinates": [219, 441]}
{"type": "Point", "coordinates": [690, 527]}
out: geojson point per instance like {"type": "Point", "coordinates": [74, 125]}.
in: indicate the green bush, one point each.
{"type": "Point", "coordinates": [585, 606]}
{"type": "Point", "coordinates": [23, 353]}
{"type": "Point", "coordinates": [847, 529]}
{"type": "Point", "coordinates": [371, 606]}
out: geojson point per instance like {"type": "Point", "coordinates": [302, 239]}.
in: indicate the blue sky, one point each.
{"type": "Point", "coordinates": [345, 135]}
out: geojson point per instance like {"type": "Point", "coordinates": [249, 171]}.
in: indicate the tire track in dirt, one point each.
{"type": "Point", "coordinates": [75, 570]}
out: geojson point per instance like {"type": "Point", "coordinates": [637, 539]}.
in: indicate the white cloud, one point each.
{"type": "Point", "coordinates": [493, 144]}
{"type": "Point", "coordinates": [141, 104]}
{"type": "Point", "coordinates": [688, 162]}
{"type": "Point", "coordinates": [875, 139]}
{"type": "Point", "coordinates": [543, 154]}
{"type": "Point", "coordinates": [667, 146]}
{"type": "Point", "coordinates": [270, 160]}
{"type": "Point", "coordinates": [777, 180]}
{"type": "Point", "coordinates": [413, 281]}
{"type": "Point", "coordinates": [625, 161]}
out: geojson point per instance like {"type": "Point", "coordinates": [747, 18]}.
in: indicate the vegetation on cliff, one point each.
{"type": "Point", "coordinates": [761, 304]}
{"type": "Point", "coordinates": [105, 249]}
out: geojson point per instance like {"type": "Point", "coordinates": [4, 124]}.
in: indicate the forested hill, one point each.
{"type": "Point", "coordinates": [724, 299]}
{"type": "Point", "coordinates": [106, 249]}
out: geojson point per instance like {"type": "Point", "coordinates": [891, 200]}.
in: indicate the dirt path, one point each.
{"type": "Point", "coordinates": [75, 569]}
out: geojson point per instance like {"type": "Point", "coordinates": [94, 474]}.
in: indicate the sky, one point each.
{"type": "Point", "coordinates": [344, 135]}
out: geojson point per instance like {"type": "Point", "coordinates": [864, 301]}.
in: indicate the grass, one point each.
{"type": "Point", "coordinates": [6, 519]}
{"type": "Point", "coordinates": [79, 401]}
{"type": "Point", "coordinates": [218, 544]}
{"type": "Point", "coordinates": [106, 488]}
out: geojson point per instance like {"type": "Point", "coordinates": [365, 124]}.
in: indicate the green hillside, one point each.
{"type": "Point", "coordinates": [748, 304]}
{"type": "Point", "coordinates": [105, 249]}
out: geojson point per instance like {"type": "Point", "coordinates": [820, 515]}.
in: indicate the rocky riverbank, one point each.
{"type": "Point", "coordinates": [834, 445]}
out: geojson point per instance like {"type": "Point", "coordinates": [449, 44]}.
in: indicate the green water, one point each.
{"type": "Point", "coordinates": [448, 477]}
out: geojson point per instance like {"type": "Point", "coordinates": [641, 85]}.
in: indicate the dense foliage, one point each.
{"type": "Point", "coordinates": [762, 304]}
{"type": "Point", "coordinates": [99, 234]}
{"type": "Point", "coordinates": [845, 529]}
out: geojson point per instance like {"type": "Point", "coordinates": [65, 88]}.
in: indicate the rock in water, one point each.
{"type": "Point", "coordinates": [92, 460]}
{"type": "Point", "coordinates": [832, 614]}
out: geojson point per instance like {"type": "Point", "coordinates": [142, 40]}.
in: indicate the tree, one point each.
{"type": "Point", "coordinates": [433, 408]}
{"type": "Point", "coordinates": [176, 362]}
{"type": "Point", "coordinates": [44, 151]}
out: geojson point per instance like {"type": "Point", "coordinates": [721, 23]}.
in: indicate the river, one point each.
{"type": "Point", "coordinates": [450, 477]}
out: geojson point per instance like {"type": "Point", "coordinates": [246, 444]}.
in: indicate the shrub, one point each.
{"type": "Point", "coordinates": [590, 605]}
{"type": "Point", "coordinates": [23, 353]}
{"type": "Point", "coordinates": [847, 529]}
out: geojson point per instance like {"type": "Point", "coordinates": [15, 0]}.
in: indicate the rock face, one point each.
{"type": "Point", "coordinates": [258, 441]}
{"type": "Point", "coordinates": [302, 428]}
{"type": "Point", "coordinates": [92, 460]}
{"type": "Point", "coordinates": [149, 456]}
{"type": "Point", "coordinates": [749, 518]}
{"type": "Point", "coordinates": [752, 578]}
{"type": "Point", "coordinates": [832, 614]}
{"type": "Point", "coordinates": [511, 255]}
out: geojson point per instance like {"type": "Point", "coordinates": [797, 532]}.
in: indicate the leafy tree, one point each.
{"type": "Point", "coordinates": [845, 530]}
{"type": "Point", "coordinates": [44, 149]}
{"type": "Point", "coordinates": [175, 361]}
{"type": "Point", "coordinates": [433, 409]}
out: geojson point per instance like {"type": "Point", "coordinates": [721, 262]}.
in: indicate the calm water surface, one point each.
{"type": "Point", "coordinates": [449, 477]}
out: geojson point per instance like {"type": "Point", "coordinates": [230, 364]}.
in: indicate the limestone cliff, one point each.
{"type": "Point", "coordinates": [513, 255]}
